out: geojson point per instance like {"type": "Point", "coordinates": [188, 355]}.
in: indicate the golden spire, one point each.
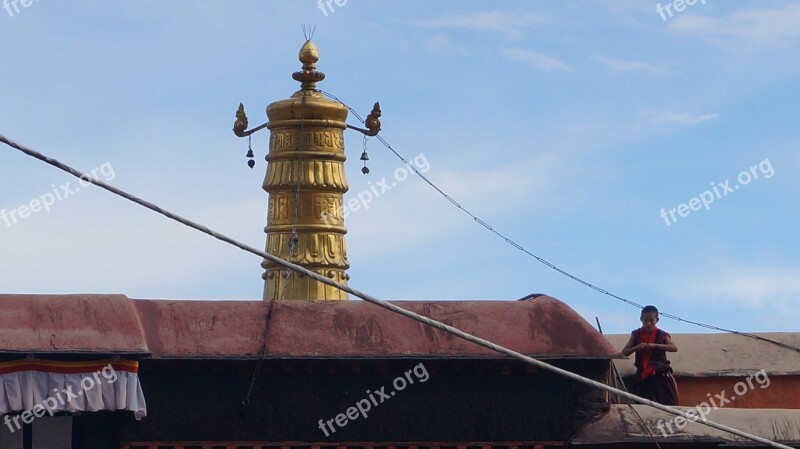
{"type": "Point", "coordinates": [306, 183]}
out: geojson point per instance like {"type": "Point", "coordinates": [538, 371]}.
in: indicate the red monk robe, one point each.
{"type": "Point", "coordinates": [654, 377]}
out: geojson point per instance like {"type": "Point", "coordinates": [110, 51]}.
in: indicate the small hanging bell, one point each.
{"type": "Point", "coordinates": [250, 162]}
{"type": "Point", "coordinates": [365, 157]}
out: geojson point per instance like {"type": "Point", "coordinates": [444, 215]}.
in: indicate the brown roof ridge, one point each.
{"type": "Point", "coordinates": [724, 354]}
{"type": "Point", "coordinates": [72, 323]}
{"type": "Point", "coordinates": [198, 329]}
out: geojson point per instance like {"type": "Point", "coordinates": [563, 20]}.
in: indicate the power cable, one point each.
{"type": "Point", "coordinates": [618, 379]}
{"type": "Point", "coordinates": [541, 259]}
{"type": "Point", "coordinates": [379, 302]}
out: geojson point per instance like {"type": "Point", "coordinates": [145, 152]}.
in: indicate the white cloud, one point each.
{"type": "Point", "coordinates": [749, 286]}
{"type": "Point", "coordinates": [144, 255]}
{"type": "Point", "coordinates": [494, 21]}
{"type": "Point", "coordinates": [413, 214]}
{"type": "Point", "coordinates": [620, 7]}
{"type": "Point", "coordinates": [441, 43]}
{"type": "Point", "coordinates": [628, 66]}
{"type": "Point", "coordinates": [682, 118]}
{"type": "Point", "coordinates": [539, 61]}
{"type": "Point", "coordinates": [758, 28]}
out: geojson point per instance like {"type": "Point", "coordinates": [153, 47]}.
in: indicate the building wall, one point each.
{"type": "Point", "coordinates": [760, 392]}
{"type": "Point", "coordinates": [460, 401]}
{"type": "Point", "coordinates": [774, 392]}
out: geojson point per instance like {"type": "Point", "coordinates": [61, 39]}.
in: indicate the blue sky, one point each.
{"type": "Point", "coordinates": [567, 125]}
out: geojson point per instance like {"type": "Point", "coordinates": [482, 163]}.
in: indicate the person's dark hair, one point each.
{"type": "Point", "coordinates": [648, 309]}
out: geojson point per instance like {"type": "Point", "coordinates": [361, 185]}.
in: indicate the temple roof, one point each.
{"type": "Point", "coordinates": [626, 424]}
{"type": "Point", "coordinates": [115, 324]}
{"type": "Point", "coordinates": [714, 355]}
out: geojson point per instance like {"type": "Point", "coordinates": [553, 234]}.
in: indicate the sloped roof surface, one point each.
{"type": "Point", "coordinates": [622, 425]}
{"type": "Point", "coordinates": [115, 324]}
{"type": "Point", "coordinates": [707, 355]}
{"type": "Point", "coordinates": [70, 323]}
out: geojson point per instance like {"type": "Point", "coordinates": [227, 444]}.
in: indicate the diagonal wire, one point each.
{"type": "Point", "coordinates": [379, 302]}
{"type": "Point", "coordinates": [543, 260]}
{"type": "Point", "coordinates": [618, 378]}
{"type": "Point", "coordinates": [294, 240]}
{"type": "Point", "coordinates": [261, 353]}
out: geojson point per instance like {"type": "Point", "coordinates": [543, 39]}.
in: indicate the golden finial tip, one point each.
{"type": "Point", "coordinates": [309, 53]}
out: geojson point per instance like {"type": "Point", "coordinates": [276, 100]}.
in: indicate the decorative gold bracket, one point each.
{"type": "Point", "coordinates": [240, 125]}
{"type": "Point", "coordinates": [373, 123]}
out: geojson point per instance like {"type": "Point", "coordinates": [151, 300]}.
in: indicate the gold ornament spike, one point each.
{"type": "Point", "coordinates": [372, 122]}
{"type": "Point", "coordinates": [306, 184]}
{"type": "Point", "coordinates": [240, 125]}
{"type": "Point", "coordinates": [309, 76]}
{"type": "Point", "coordinates": [241, 122]}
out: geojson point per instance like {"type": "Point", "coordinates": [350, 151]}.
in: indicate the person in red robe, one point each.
{"type": "Point", "coordinates": [654, 379]}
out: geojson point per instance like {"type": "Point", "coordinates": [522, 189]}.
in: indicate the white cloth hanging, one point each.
{"type": "Point", "coordinates": [45, 386]}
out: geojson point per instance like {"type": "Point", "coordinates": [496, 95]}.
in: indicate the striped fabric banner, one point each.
{"type": "Point", "coordinates": [46, 386]}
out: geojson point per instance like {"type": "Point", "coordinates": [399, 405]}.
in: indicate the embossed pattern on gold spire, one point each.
{"type": "Point", "coordinates": [305, 224]}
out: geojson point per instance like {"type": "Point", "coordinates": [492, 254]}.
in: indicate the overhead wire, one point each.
{"type": "Point", "coordinates": [543, 260]}
{"type": "Point", "coordinates": [261, 353]}
{"type": "Point", "coordinates": [379, 302]}
{"type": "Point", "coordinates": [619, 381]}
{"type": "Point", "coordinates": [299, 173]}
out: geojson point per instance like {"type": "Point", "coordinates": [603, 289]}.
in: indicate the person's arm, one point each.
{"type": "Point", "coordinates": [630, 348]}
{"type": "Point", "coordinates": [668, 345]}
